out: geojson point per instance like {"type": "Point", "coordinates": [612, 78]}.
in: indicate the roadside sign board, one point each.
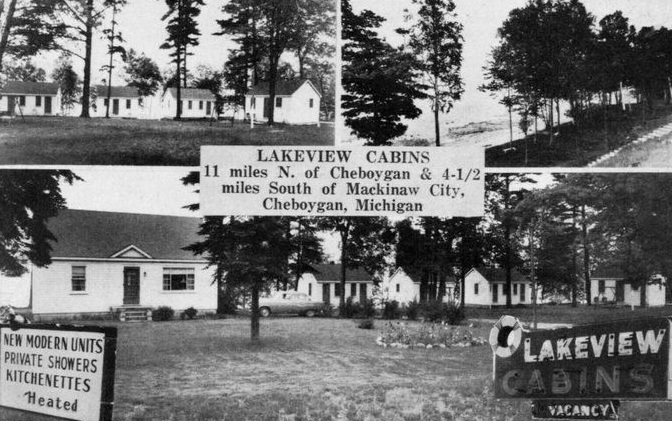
{"type": "Point", "coordinates": [62, 371]}
{"type": "Point", "coordinates": [575, 410]}
{"type": "Point", "coordinates": [628, 360]}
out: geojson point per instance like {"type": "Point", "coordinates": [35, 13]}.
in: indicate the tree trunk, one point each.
{"type": "Point", "coordinates": [184, 68]}
{"type": "Point", "coordinates": [437, 129]}
{"type": "Point", "coordinates": [5, 31]}
{"type": "Point", "coordinates": [586, 254]}
{"type": "Point", "coordinates": [178, 89]}
{"type": "Point", "coordinates": [86, 89]}
{"type": "Point", "coordinates": [557, 108]}
{"type": "Point", "coordinates": [604, 112]}
{"type": "Point", "coordinates": [507, 243]}
{"type": "Point", "coordinates": [550, 131]}
{"type": "Point", "coordinates": [254, 317]}
{"type": "Point", "coordinates": [533, 276]}
{"type": "Point", "coordinates": [575, 267]}
{"type": "Point", "coordinates": [463, 282]}
{"type": "Point", "coordinates": [109, 70]}
{"type": "Point", "coordinates": [344, 264]}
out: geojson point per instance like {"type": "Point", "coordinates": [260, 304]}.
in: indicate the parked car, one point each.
{"type": "Point", "coordinates": [289, 302]}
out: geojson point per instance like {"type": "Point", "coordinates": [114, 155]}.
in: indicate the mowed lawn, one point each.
{"type": "Point", "coordinates": [99, 141]}
{"type": "Point", "coordinates": [303, 369]}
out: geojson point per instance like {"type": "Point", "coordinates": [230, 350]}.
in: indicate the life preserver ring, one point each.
{"type": "Point", "coordinates": [506, 336]}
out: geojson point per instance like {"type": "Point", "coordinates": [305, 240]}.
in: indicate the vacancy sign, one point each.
{"type": "Point", "coordinates": [626, 360]}
{"type": "Point", "coordinates": [62, 371]}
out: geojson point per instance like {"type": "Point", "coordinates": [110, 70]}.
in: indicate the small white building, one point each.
{"type": "Point", "coordinates": [404, 286]}
{"type": "Point", "coordinates": [296, 102]}
{"type": "Point", "coordinates": [323, 283]}
{"type": "Point", "coordinates": [608, 285]}
{"type": "Point", "coordinates": [106, 261]}
{"type": "Point", "coordinates": [196, 103]}
{"type": "Point", "coordinates": [125, 102]}
{"type": "Point", "coordinates": [487, 287]}
{"type": "Point", "coordinates": [30, 98]}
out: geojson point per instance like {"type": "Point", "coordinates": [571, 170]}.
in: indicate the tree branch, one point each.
{"type": "Point", "coordinates": [74, 12]}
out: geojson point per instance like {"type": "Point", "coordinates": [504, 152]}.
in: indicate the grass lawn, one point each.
{"type": "Point", "coordinates": [654, 153]}
{"type": "Point", "coordinates": [566, 314]}
{"type": "Point", "coordinates": [304, 369]}
{"type": "Point", "coordinates": [573, 147]}
{"type": "Point", "coordinates": [99, 141]}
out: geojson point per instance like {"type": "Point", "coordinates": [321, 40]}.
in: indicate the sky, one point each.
{"type": "Point", "coordinates": [481, 19]}
{"type": "Point", "coordinates": [142, 29]}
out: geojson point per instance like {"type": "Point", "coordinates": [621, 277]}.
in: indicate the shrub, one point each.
{"type": "Point", "coordinates": [411, 310]}
{"type": "Point", "coordinates": [189, 313]}
{"type": "Point", "coordinates": [352, 309]}
{"type": "Point", "coordinates": [162, 314]}
{"type": "Point", "coordinates": [367, 309]}
{"type": "Point", "coordinates": [365, 324]}
{"type": "Point", "coordinates": [326, 310]}
{"type": "Point", "coordinates": [391, 310]}
{"type": "Point", "coordinates": [437, 311]}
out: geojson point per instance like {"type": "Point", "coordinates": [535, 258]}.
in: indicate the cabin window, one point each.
{"type": "Point", "coordinates": [398, 288]}
{"type": "Point", "coordinates": [190, 104]}
{"type": "Point", "coordinates": [311, 102]}
{"type": "Point", "coordinates": [475, 289]}
{"type": "Point", "coordinates": [278, 102]}
{"type": "Point", "coordinates": [200, 105]}
{"type": "Point", "coordinates": [522, 293]}
{"type": "Point", "coordinates": [128, 104]}
{"type": "Point", "coordinates": [253, 102]}
{"type": "Point", "coordinates": [353, 290]}
{"type": "Point", "coordinates": [515, 289]}
{"type": "Point", "coordinates": [78, 278]}
{"type": "Point", "coordinates": [600, 286]}
{"type": "Point", "coordinates": [22, 100]}
{"type": "Point", "coordinates": [38, 101]}
{"type": "Point", "coordinates": [310, 290]}
{"type": "Point", "coordinates": [140, 102]}
{"type": "Point", "coordinates": [178, 279]}
{"type": "Point", "coordinates": [337, 290]}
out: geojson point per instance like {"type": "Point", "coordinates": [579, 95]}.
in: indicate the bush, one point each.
{"type": "Point", "coordinates": [365, 324]}
{"type": "Point", "coordinates": [411, 310]}
{"type": "Point", "coordinates": [438, 311]}
{"type": "Point", "coordinates": [189, 313]}
{"type": "Point", "coordinates": [162, 314]}
{"type": "Point", "coordinates": [352, 309]}
{"type": "Point", "coordinates": [391, 310]}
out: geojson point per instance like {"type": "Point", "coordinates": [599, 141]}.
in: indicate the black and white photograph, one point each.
{"type": "Point", "coordinates": [136, 82]}
{"type": "Point", "coordinates": [535, 83]}
{"type": "Point", "coordinates": [141, 279]}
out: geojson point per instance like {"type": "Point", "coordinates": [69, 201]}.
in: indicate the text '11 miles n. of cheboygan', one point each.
{"type": "Point", "coordinates": [356, 181]}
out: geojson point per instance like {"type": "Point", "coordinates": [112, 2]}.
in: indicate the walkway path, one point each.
{"type": "Point", "coordinates": [629, 155]}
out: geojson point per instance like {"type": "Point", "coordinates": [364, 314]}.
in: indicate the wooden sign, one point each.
{"type": "Point", "coordinates": [627, 360]}
{"type": "Point", "coordinates": [62, 371]}
{"type": "Point", "coordinates": [575, 410]}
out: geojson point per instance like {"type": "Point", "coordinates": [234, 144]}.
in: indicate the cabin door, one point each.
{"type": "Point", "coordinates": [495, 293]}
{"type": "Point", "coordinates": [208, 108]}
{"type": "Point", "coordinates": [326, 294]}
{"type": "Point", "coordinates": [11, 105]}
{"type": "Point", "coordinates": [47, 105]}
{"type": "Point", "coordinates": [267, 105]}
{"type": "Point", "coordinates": [362, 293]}
{"type": "Point", "coordinates": [131, 285]}
{"type": "Point", "coordinates": [620, 292]}
{"type": "Point", "coordinates": [115, 106]}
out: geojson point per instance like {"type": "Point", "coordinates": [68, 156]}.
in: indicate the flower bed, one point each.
{"type": "Point", "coordinates": [428, 335]}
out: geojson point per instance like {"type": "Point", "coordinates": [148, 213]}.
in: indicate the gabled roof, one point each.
{"type": "Point", "coordinates": [118, 91]}
{"type": "Point", "coordinates": [608, 272]}
{"type": "Point", "coordinates": [498, 275]}
{"type": "Point", "coordinates": [415, 277]}
{"type": "Point", "coordinates": [94, 234]}
{"type": "Point", "coordinates": [282, 87]}
{"type": "Point", "coordinates": [326, 272]}
{"type": "Point", "coordinates": [193, 93]}
{"type": "Point", "coordinates": [29, 88]}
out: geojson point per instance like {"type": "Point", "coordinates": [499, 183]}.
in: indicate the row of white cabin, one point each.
{"type": "Point", "coordinates": [108, 260]}
{"type": "Point", "coordinates": [296, 102]}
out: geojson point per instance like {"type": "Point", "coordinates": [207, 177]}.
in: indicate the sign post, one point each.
{"type": "Point", "coordinates": [579, 372]}
{"type": "Point", "coordinates": [62, 371]}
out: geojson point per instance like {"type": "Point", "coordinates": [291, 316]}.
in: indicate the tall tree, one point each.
{"type": "Point", "coordinates": [364, 242]}
{"type": "Point", "coordinates": [378, 80]}
{"type": "Point", "coordinates": [26, 71]}
{"type": "Point", "coordinates": [436, 40]}
{"type": "Point", "coordinates": [29, 198]}
{"type": "Point", "coordinates": [143, 73]}
{"type": "Point", "coordinates": [114, 47]}
{"type": "Point", "coordinates": [68, 80]}
{"type": "Point", "coordinates": [183, 32]}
